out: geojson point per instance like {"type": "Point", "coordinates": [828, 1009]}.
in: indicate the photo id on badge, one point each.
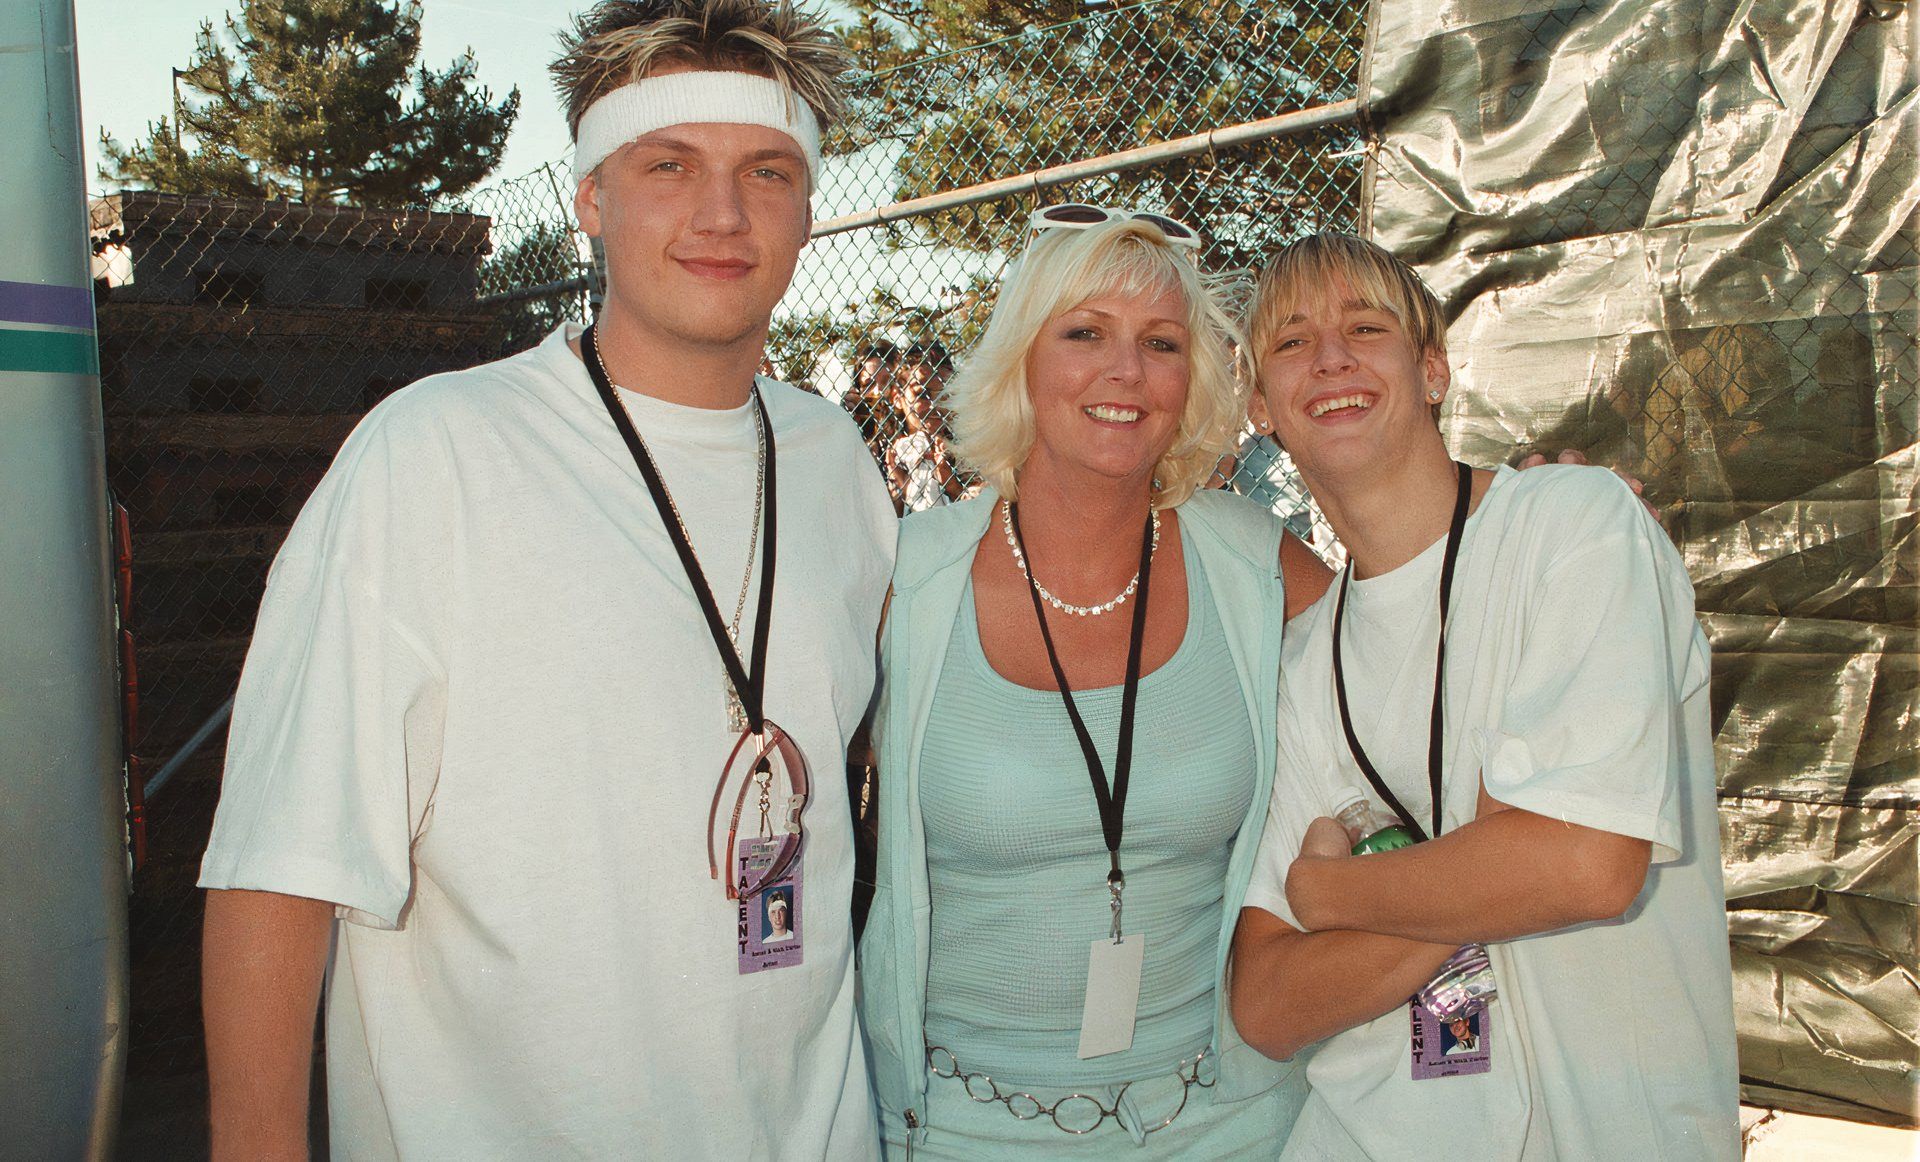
{"type": "Point", "coordinates": [1113, 995]}
{"type": "Point", "coordinates": [1456, 1047]}
{"type": "Point", "coordinates": [769, 922]}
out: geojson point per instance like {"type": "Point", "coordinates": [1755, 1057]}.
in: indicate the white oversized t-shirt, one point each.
{"type": "Point", "coordinates": [482, 714]}
{"type": "Point", "coordinates": [1577, 688]}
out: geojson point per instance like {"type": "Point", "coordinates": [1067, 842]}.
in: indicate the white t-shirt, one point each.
{"type": "Point", "coordinates": [913, 452]}
{"type": "Point", "coordinates": [1577, 688]}
{"type": "Point", "coordinates": [483, 715]}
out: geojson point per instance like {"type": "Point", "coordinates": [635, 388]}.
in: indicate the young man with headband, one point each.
{"type": "Point", "coordinates": [525, 734]}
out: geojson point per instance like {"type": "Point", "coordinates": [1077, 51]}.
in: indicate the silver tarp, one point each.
{"type": "Point", "coordinates": [1680, 235]}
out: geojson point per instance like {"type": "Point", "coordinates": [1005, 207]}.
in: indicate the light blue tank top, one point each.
{"type": "Point", "coordinates": [1017, 865]}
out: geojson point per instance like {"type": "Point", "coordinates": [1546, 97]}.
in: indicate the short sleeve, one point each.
{"type": "Point", "coordinates": [1303, 790]}
{"type": "Point", "coordinates": [1590, 732]}
{"type": "Point", "coordinates": [335, 740]}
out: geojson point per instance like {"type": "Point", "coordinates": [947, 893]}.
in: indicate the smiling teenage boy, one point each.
{"type": "Point", "coordinates": [537, 674]}
{"type": "Point", "coordinates": [1512, 660]}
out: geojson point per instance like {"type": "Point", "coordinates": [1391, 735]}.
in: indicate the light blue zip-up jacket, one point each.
{"type": "Point", "coordinates": [1238, 543]}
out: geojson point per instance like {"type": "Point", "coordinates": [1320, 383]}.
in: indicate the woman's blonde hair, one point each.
{"type": "Point", "coordinates": [617, 42]}
{"type": "Point", "coordinates": [990, 398]}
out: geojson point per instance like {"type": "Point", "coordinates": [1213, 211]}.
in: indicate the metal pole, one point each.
{"type": "Point", "coordinates": [63, 861]}
{"type": "Point", "coordinates": [177, 106]}
{"type": "Point", "coordinates": [1233, 136]}
{"type": "Point", "coordinates": [572, 285]}
{"type": "Point", "coordinates": [214, 722]}
{"type": "Point", "coordinates": [1299, 121]}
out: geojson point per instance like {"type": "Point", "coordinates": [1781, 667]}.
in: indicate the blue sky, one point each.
{"type": "Point", "coordinates": [127, 48]}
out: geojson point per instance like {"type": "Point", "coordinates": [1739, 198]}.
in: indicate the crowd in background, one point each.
{"type": "Point", "coordinates": [898, 400]}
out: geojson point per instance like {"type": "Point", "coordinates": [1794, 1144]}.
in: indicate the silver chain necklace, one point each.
{"type": "Point", "coordinates": [736, 710]}
{"type": "Point", "coordinates": [1095, 610]}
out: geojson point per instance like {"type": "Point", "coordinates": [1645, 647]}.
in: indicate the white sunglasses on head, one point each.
{"type": "Point", "coordinates": [1080, 215]}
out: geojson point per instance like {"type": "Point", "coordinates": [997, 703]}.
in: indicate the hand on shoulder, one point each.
{"type": "Point", "coordinates": [1575, 456]}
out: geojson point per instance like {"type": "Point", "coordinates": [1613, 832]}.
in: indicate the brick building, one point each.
{"type": "Point", "coordinates": [240, 341]}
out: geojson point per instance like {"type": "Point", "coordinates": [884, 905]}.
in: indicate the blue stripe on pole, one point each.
{"type": "Point", "coordinates": [55, 306]}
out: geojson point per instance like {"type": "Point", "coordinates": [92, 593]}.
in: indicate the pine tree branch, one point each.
{"type": "Point", "coordinates": [321, 100]}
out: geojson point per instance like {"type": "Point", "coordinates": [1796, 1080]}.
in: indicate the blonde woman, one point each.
{"type": "Point", "coordinates": [1076, 730]}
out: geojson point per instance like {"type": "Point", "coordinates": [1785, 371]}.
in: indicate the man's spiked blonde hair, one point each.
{"type": "Point", "coordinates": [617, 42]}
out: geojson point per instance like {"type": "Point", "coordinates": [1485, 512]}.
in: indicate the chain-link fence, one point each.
{"type": "Point", "coordinates": [1165, 106]}
{"type": "Point", "coordinates": [242, 340]}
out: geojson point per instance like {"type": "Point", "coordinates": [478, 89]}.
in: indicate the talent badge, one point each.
{"type": "Point", "coordinates": [760, 875]}
{"type": "Point", "coordinates": [1113, 995]}
{"type": "Point", "coordinates": [1114, 962]}
{"type": "Point", "coordinates": [1456, 1046]}
{"type": "Point", "coordinates": [769, 920]}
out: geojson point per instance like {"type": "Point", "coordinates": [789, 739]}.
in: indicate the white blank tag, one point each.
{"type": "Point", "coordinates": [1113, 995]}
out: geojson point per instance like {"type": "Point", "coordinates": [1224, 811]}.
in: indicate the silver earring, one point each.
{"type": "Point", "coordinates": [1434, 396]}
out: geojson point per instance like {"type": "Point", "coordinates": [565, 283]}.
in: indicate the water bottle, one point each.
{"type": "Point", "coordinates": [1377, 829]}
{"type": "Point", "coordinates": [1465, 983]}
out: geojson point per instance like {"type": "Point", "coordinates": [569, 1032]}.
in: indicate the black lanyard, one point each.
{"type": "Point", "coordinates": [1374, 780]}
{"type": "Point", "coordinates": [1112, 802]}
{"type": "Point", "coordinates": [750, 684]}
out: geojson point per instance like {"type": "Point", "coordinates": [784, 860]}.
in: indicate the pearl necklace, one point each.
{"type": "Point", "coordinates": [1020, 559]}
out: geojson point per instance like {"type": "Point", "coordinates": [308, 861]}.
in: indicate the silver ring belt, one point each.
{"type": "Point", "coordinates": [1075, 1113]}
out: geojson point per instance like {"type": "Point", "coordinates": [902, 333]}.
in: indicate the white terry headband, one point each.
{"type": "Point", "coordinates": [727, 98]}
